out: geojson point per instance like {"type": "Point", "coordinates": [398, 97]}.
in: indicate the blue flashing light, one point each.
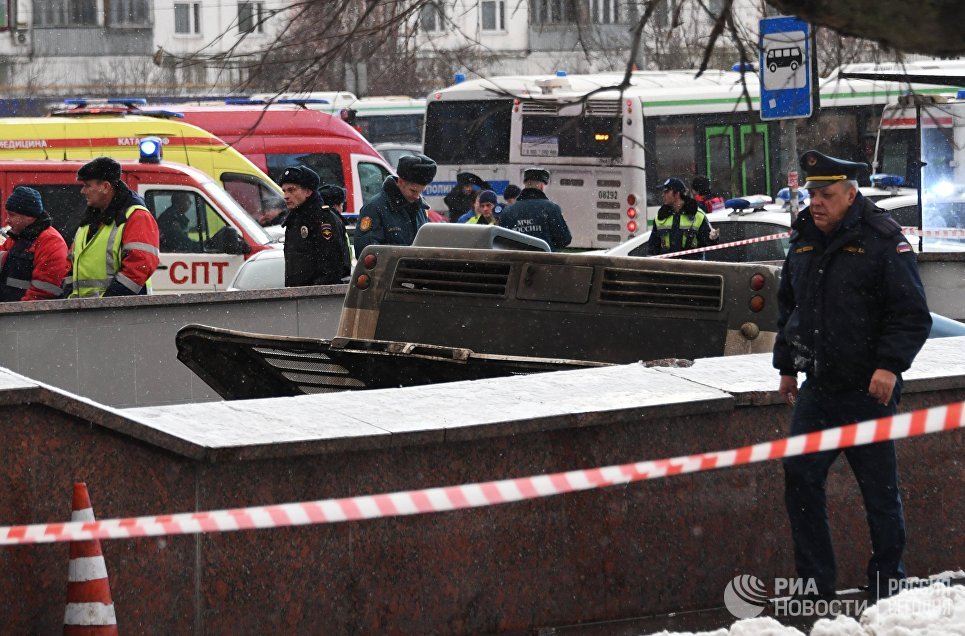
{"type": "Point", "coordinates": [737, 204]}
{"type": "Point", "coordinates": [150, 148]}
{"type": "Point", "coordinates": [294, 100]}
{"type": "Point", "coordinates": [784, 194]}
{"type": "Point", "coordinates": [887, 180]}
{"type": "Point", "coordinates": [459, 78]}
{"type": "Point", "coordinates": [744, 67]}
{"type": "Point", "coordinates": [560, 73]}
{"type": "Point", "coordinates": [127, 101]}
{"type": "Point", "coordinates": [76, 101]}
{"type": "Point", "coordinates": [960, 94]}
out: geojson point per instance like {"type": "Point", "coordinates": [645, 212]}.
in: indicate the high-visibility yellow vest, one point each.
{"type": "Point", "coordinates": [481, 220]}
{"type": "Point", "coordinates": [96, 263]}
{"type": "Point", "coordinates": [688, 228]}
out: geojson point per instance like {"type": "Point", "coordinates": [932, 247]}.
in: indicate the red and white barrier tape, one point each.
{"type": "Point", "coordinates": [925, 232]}
{"type": "Point", "coordinates": [922, 422]}
{"type": "Point", "coordinates": [709, 248]}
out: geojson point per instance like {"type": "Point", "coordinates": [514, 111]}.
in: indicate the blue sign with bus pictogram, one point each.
{"type": "Point", "coordinates": [785, 60]}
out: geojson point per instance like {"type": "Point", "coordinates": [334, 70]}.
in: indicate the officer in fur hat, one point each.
{"type": "Point", "coordinates": [316, 248]}
{"type": "Point", "coordinates": [33, 258]}
{"type": "Point", "coordinates": [117, 222]}
{"type": "Point", "coordinates": [395, 215]}
{"type": "Point", "coordinates": [852, 317]}
{"type": "Point", "coordinates": [534, 214]}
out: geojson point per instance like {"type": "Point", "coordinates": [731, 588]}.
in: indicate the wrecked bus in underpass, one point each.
{"type": "Point", "coordinates": [424, 314]}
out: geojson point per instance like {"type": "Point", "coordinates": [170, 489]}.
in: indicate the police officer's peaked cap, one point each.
{"type": "Point", "coordinates": [332, 194]}
{"type": "Point", "coordinates": [417, 169]}
{"type": "Point", "coordinates": [536, 174]}
{"type": "Point", "coordinates": [300, 176]}
{"type": "Point", "coordinates": [100, 169]}
{"type": "Point", "coordinates": [822, 170]}
{"type": "Point", "coordinates": [675, 184]}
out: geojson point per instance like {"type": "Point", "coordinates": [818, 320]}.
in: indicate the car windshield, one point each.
{"type": "Point", "coordinates": [225, 200]}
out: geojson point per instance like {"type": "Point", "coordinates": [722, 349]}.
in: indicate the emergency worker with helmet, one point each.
{"type": "Point", "coordinates": [680, 224]}
{"type": "Point", "coordinates": [115, 250]}
{"type": "Point", "coordinates": [395, 215]}
{"type": "Point", "coordinates": [852, 317]}
{"type": "Point", "coordinates": [33, 258]}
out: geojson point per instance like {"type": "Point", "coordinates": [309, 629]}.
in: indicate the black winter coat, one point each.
{"type": "Point", "coordinates": [534, 214]}
{"type": "Point", "coordinates": [389, 219]}
{"type": "Point", "coordinates": [850, 302]}
{"type": "Point", "coordinates": [316, 249]}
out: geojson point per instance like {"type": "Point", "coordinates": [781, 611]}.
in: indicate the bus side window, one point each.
{"type": "Point", "coordinates": [371, 176]}
{"type": "Point", "coordinates": [66, 206]}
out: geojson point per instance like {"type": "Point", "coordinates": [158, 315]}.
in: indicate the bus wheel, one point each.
{"type": "Point", "coordinates": [793, 66]}
{"type": "Point", "coordinates": [773, 67]}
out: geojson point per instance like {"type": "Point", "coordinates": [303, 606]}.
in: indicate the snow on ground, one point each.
{"type": "Point", "coordinates": [930, 610]}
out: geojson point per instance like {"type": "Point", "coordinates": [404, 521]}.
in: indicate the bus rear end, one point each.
{"type": "Point", "coordinates": [557, 305]}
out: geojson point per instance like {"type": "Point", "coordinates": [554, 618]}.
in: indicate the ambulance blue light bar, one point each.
{"type": "Point", "coordinates": [295, 100]}
{"type": "Point", "coordinates": [150, 148]}
{"type": "Point", "coordinates": [127, 101]}
{"type": "Point", "coordinates": [243, 101]}
{"type": "Point", "coordinates": [887, 180]}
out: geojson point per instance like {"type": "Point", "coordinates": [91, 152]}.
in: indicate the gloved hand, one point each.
{"type": "Point", "coordinates": [714, 234]}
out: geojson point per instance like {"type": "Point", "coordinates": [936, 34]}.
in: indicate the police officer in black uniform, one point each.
{"type": "Point", "coordinates": [316, 249]}
{"type": "Point", "coordinates": [852, 318]}
{"type": "Point", "coordinates": [534, 214]}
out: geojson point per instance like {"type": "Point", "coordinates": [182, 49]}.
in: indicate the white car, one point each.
{"type": "Point", "coordinates": [393, 151]}
{"type": "Point", "coordinates": [938, 213]}
{"type": "Point", "coordinates": [264, 270]}
{"type": "Point", "coordinates": [734, 225]}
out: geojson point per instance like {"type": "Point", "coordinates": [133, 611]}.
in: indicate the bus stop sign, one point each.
{"type": "Point", "coordinates": [785, 68]}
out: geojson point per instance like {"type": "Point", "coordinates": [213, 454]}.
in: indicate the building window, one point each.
{"type": "Point", "coordinates": [663, 14]}
{"type": "Point", "coordinates": [493, 15]}
{"type": "Point", "coordinates": [431, 17]}
{"type": "Point", "coordinates": [187, 18]}
{"type": "Point", "coordinates": [553, 11]}
{"type": "Point", "coordinates": [65, 13]}
{"type": "Point", "coordinates": [129, 13]}
{"type": "Point", "coordinates": [251, 17]}
{"type": "Point", "coordinates": [606, 12]}
{"type": "Point", "coordinates": [4, 15]}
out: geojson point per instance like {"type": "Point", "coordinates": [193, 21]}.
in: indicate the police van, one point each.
{"type": "Point", "coordinates": [219, 237]}
{"type": "Point", "coordinates": [85, 133]}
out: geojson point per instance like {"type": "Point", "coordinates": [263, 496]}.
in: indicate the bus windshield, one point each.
{"type": "Point", "coordinates": [482, 129]}
{"type": "Point", "coordinates": [577, 136]}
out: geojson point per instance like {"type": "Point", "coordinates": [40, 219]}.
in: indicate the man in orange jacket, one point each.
{"type": "Point", "coordinates": [33, 258]}
{"type": "Point", "coordinates": [115, 250]}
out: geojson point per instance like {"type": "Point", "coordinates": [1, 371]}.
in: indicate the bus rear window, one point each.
{"type": "Point", "coordinates": [552, 136]}
{"type": "Point", "coordinates": [475, 132]}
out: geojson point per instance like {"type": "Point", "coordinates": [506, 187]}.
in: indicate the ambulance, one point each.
{"type": "Point", "coordinates": [85, 133]}
{"type": "Point", "coordinates": [220, 235]}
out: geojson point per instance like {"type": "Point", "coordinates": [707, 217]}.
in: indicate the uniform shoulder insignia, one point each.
{"type": "Point", "coordinates": [903, 247]}
{"type": "Point", "coordinates": [365, 224]}
{"type": "Point", "coordinates": [884, 224]}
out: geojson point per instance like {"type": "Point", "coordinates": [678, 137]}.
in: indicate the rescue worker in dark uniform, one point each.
{"type": "Point", "coordinates": [852, 318]}
{"type": "Point", "coordinates": [33, 258]}
{"type": "Point", "coordinates": [395, 215]}
{"type": "Point", "coordinates": [316, 250]}
{"type": "Point", "coordinates": [534, 214]}
{"type": "Point", "coordinates": [680, 224]}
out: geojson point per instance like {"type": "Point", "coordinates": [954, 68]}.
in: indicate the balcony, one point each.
{"type": "Point", "coordinates": [92, 41]}
{"type": "Point", "coordinates": [565, 37]}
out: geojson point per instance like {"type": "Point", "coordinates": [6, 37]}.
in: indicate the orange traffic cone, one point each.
{"type": "Point", "coordinates": [90, 609]}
